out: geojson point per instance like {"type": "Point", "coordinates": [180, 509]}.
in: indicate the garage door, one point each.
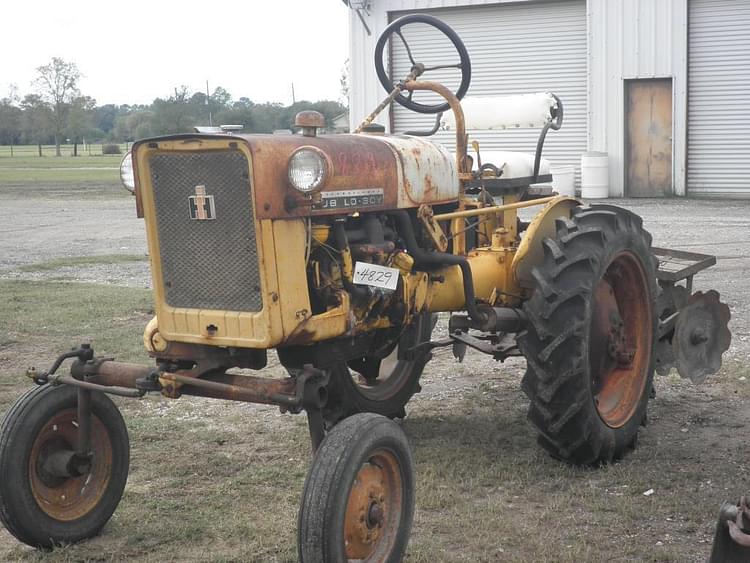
{"type": "Point", "coordinates": [718, 85]}
{"type": "Point", "coordinates": [514, 49]}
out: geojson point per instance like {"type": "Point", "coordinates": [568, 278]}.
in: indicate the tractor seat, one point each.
{"type": "Point", "coordinates": [516, 172]}
{"type": "Point", "coordinates": [515, 165]}
{"type": "Point", "coordinates": [516, 169]}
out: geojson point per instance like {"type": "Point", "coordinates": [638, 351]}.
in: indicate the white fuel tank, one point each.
{"type": "Point", "coordinates": [427, 171]}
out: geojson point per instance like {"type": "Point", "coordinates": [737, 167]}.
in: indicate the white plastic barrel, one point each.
{"type": "Point", "coordinates": [563, 180]}
{"type": "Point", "coordinates": [594, 175]}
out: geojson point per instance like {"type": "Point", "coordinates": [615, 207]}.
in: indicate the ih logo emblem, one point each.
{"type": "Point", "coordinates": [201, 205]}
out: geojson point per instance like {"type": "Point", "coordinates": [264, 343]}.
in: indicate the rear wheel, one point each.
{"type": "Point", "coordinates": [47, 495]}
{"type": "Point", "coordinates": [590, 339]}
{"type": "Point", "coordinates": [380, 385]}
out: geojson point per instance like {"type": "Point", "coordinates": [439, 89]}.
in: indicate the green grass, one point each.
{"type": "Point", "coordinates": [65, 162]}
{"type": "Point", "coordinates": [56, 316]}
{"type": "Point", "coordinates": [50, 171]}
{"type": "Point", "coordinates": [75, 261]}
{"type": "Point", "coordinates": [55, 177]}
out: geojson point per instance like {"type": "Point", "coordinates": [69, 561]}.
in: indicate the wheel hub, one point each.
{"type": "Point", "coordinates": [66, 485]}
{"type": "Point", "coordinates": [372, 512]}
{"type": "Point", "coordinates": [57, 463]}
{"type": "Point", "coordinates": [374, 515]}
{"type": "Point", "coordinates": [620, 339]}
{"type": "Point", "coordinates": [367, 501]}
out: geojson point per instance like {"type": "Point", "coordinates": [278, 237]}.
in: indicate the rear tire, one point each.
{"type": "Point", "coordinates": [589, 342]}
{"type": "Point", "coordinates": [42, 510]}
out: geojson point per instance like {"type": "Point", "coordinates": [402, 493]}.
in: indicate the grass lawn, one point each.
{"type": "Point", "coordinates": [27, 169]}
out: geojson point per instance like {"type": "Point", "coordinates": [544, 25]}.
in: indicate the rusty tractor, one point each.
{"type": "Point", "coordinates": [338, 251]}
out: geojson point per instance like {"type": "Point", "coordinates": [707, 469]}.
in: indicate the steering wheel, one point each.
{"type": "Point", "coordinates": [464, 63]}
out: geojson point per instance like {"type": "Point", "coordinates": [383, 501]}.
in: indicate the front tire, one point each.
{"type": "Point", "coordinates": [44, 510]}
{"type": "Point", "coordinates": [380, 386]}
{"type": "Point", "coordinates": [589, 342]}
{"type": "Point", "coordinates": [358, 499]}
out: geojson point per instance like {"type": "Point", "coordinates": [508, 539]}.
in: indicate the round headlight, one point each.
{"type": "Point", "coordinates": [308, 169]}
{"type": "Point", "coordinates": [126, 172]}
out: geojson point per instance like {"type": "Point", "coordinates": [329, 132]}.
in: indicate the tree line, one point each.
{"type": "Point", "coordinates": [56, 111]}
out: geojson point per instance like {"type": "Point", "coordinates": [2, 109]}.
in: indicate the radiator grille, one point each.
{"type": "Point", "coordinates": [206, 264]}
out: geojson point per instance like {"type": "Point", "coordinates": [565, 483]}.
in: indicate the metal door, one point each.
{"type": "Point", "coordinates": [648, 137]}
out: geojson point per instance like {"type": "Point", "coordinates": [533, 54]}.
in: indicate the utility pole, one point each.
{"type": "Point", "coordinates": [209, 107]}
{"type": "Point", "coordinates": [294, 101]}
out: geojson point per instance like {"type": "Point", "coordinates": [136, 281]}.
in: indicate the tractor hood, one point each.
{"type": "Point", "coordinates": [364, 172]}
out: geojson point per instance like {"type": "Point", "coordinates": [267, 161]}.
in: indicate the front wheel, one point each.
{"type": "Point", "coordinates": [589, 344]}
{"type": "Point", "coordinates": [358, 500]}
{"type": "Point", "coordinates": [41, 504]}
{"type": "Point", "coordinates": [380, 385]}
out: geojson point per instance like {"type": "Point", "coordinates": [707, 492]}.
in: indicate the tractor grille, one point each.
{"type": "Point", "coordinates": [207, 263]}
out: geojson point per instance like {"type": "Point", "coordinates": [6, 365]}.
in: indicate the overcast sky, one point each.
{"type": "Point", "coordinates": [137, 50]}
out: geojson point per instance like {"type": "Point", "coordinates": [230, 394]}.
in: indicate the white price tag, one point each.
{"type": "Point", "coordinates": [375, 275]}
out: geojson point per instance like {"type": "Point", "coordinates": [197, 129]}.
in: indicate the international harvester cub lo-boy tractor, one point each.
{"type": "Point", "coordinates": [339, 251]}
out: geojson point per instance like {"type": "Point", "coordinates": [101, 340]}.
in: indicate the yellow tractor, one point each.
{"type": "Point", "coordinates": [338, 251]}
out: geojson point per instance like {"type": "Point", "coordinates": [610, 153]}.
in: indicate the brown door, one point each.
{"type": "Point", "coordinates": [648, 137]}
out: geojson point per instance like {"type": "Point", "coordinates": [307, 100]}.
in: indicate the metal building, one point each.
{"type": "Point", "coordinates": [660, 85]}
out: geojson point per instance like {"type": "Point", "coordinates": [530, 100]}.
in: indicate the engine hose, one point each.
{"type": "Point", "coordinates": [373, 229]}
{"type": "Point", "coordinates": [342, 245]}
{"type": "Point", "coordinates": [360, 235]}
{"type": "Point", "coordinates": [424, 258]}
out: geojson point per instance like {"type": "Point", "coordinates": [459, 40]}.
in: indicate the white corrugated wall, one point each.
{"type": "Point", "coordinates": [630, 40]}
{"type": "Point", "coordinates": [518, 48]}
{"type": "Point", "coordinates": [365, 90]}
{"type": "Point", "coordinates": [719, 75]}
{"type": "Point", "coordinates": [626, 40]}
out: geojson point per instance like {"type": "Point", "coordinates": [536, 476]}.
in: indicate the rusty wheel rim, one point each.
{"type": "Point", "coordinates": [373, 511]}
{"type": "Point", "coordinates": [69, 498]}
{"type": "Point", "coordinates": [620, 339]}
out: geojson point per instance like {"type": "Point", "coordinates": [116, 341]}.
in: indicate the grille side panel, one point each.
{"type": "Point", "coordinates": [206, 264]}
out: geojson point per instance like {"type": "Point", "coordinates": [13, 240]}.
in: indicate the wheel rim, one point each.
{"type": "Point", "coordinates": [620, 340]}
{"type": "Point", "coordinates": [373, 511]}
{"type": "Point", "coordinates": [69, 498]}
{"type": "Point", "coordinates": [380, 379]}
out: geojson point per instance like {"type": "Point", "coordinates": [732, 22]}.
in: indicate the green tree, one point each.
{"type": "Point", "coordinates": [36, 120]}
{"type": "Point", "coordinates": [220, 98]}
{"type": "Point", "coordinates": [133, 125]}
{"type": "Point", "coordinates": [57, 85]}
{"type": "Point", "coordinates": [10, 120]}
{"type": "Point", "coordinates": [105, 117]}
{"type": "Point", "coordinates": [267, 117]}
{"type": "Point", "coordinates": [177, 114]}
{"type": "Point", "coordinates": [236, 115]}
{"type": "Point", "coordinates": [80, 122]}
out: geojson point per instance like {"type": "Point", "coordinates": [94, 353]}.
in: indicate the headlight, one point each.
{"type": "Point", "coordinates": [308, 169]}
{"type": "Point", "coordinates": [126, 172]}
